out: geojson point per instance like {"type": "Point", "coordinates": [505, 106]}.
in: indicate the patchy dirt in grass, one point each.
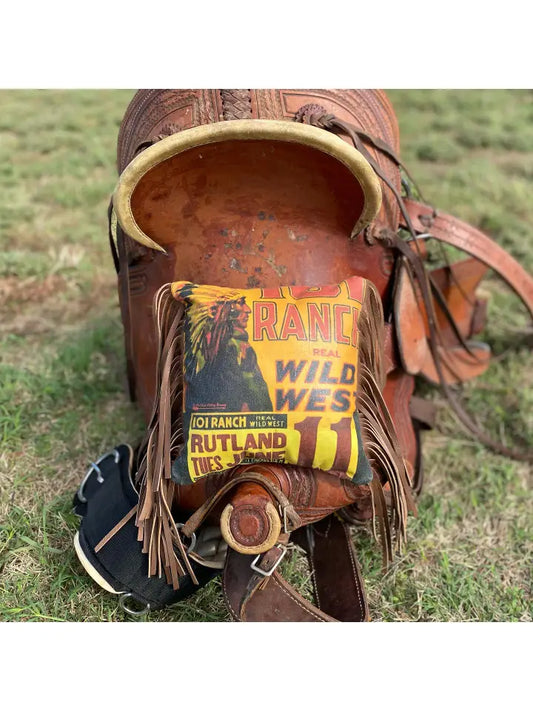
{"type": "Point", "coordinates": [15, 292]}
{"type": "Point", "coordinates": [51, 305]}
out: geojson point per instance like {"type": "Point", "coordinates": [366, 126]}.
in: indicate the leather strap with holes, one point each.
{"type": "Point", "coordinates": [253, 596]}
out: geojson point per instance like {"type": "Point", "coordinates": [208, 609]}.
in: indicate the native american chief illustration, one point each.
{"type": "Point", "coordinates": [222, 372]}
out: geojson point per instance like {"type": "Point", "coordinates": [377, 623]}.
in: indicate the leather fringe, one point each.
{"type": "Point", "coordinates": [380, 440]}
{"type": "Point", "coordinates": [164, 438]}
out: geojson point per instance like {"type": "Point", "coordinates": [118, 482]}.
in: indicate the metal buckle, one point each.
{"type": "Point", "coordinates": [95, 468]}
{"type": "Point", "coordinates": [268, 573]}
{"type": "Point", "coordinates": [193, 538]}
{"type": "Point", "coordinates": [128, 610]}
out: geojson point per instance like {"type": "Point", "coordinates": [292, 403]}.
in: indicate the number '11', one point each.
{"type": "Point", "coordinates": [308, 430]}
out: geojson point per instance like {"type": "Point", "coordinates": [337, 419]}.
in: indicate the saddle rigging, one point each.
{"type": "Point", "coordinates": [275, 317]}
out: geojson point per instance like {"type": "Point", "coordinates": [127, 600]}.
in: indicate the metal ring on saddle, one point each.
{"type": "Point", "coordinates": [192, 546]}
{"type": "Point", "coordinates": [134, 613]}
{"type": "Point", "coordinates": [93, 467]}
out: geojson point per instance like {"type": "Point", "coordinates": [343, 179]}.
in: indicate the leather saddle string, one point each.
{"type": "Point", "coordinates": [414, 259]}
{"type": "Point", "coordinates": [461, 413]}
{"type": "Point", "coordinates": [387, 150]}
{"type": "Point", "coordinates": [330, 122]}
{"type": "Point", "coordinates": [356, 135]}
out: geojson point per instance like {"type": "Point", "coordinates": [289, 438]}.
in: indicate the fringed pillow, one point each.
{"type": "Point", "coordinates": [274, 375]}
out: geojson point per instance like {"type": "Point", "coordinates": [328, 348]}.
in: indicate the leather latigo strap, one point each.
{"type": "Point", "coordinates": [457, 233]}
{"type": "Point", "coordinates": [422, 219]}
{"type": "Point", "coordinates": [256, 594]}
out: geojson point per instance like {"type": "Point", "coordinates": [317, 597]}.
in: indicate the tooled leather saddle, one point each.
{"type": "Point", "coordinates": [252, 208]}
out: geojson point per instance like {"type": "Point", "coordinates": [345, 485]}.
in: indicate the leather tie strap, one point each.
{"type": "Point", "coordinates": [463, 236]}
{"type": "Point", "coordinates": [418, 218]}
{"type": "Point", "coordinates": [459, 234]}
{"type": "Point", "coordinates": [253, 596]}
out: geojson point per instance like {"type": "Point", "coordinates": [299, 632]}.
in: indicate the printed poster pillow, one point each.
{"type": "Point", "coordinates": [271, 375]}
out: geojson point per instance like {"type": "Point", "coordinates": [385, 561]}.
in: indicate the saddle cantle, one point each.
{"type": "Point", "coordinates": [255, 196]}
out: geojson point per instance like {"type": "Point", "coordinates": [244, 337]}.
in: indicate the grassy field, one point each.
{"type": "Point", "coordinates": [62, 369]}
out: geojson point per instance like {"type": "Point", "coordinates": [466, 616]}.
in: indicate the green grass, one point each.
{"type": "Point", "coordinates": [62, 371]}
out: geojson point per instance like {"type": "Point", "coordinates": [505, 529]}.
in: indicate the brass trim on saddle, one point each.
{"type": "Point", "coordinates": [243, 130]}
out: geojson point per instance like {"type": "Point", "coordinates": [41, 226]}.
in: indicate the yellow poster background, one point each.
{"type": "Point", "coordinates": [306, 343]}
